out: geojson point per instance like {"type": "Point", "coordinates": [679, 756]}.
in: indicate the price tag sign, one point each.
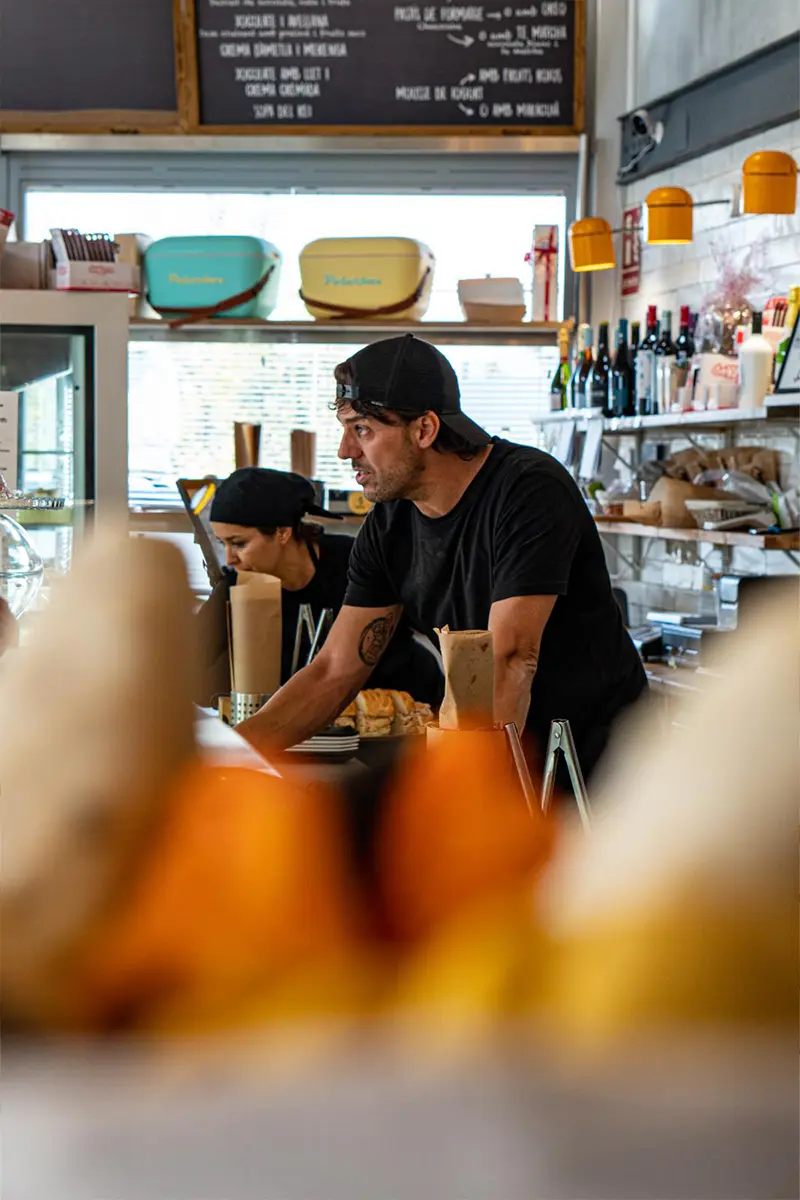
{"type": "Point", "coordinates": [9, 427]}
{"type": "Point", "coordinates": [631, 250]}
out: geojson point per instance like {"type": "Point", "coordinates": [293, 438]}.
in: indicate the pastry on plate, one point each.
{"type": "Point", "coordinates": [347, 717]}
{"type": "Point", "coordinates": [409, 716]}
{"type": "Point", "coordinates": [375, 712]}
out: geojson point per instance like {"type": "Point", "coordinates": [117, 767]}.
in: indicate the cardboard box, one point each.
{"type": "Point", "coordinates": [492, 301]}
{"type": "Point", "coordinates": [131, 250]}
{"type": "Point", "coordinates": [96, 277]}
{"type": "Point", "coordinates": [25, 266]}
{"type": "Point", "coordinates": [717, 368]}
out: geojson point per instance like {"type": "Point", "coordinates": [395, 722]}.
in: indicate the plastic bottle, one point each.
{"type": "Point", "coordinates": [755, 367]}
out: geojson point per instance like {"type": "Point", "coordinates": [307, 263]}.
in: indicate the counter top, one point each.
{"type": "Point", "coordinates": [220, 745]}
{"type": "Point", "coordinates": [224, 747]}
{"type": "Point", "coordinates": [682, 679]}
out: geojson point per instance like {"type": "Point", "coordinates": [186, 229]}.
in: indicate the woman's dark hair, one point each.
{"type": "Point", "coordinates": [306, 532]}
{"type": "Point", "coordinates": [447, 442]}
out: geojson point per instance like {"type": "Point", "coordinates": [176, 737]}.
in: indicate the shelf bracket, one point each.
{"type": "Point", "coordinates": [687, 437]}
{"type": "Point", "coordinates": [629, 563]}
{"type": "Point", "coordinates": [615, 453]}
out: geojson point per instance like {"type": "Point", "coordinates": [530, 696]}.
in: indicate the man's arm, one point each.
{"type": "Point", "coordinates": [317, 694]}
{"type": "Point", "coordinates": [517, 625]}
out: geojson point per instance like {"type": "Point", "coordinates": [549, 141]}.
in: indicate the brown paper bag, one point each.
{"type": "Point", "coordinates": [672, 494]}
{"type": "Point", "coordinates": [468, 659]}
{"type": "Point", "coordinates": [256, 633]}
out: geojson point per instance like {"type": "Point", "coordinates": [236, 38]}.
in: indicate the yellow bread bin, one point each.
{"type": "Point", "coordinates": [366, 278]}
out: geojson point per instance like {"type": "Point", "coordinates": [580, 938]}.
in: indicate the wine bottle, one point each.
{"type": "Point", "coordinates": [665, 353]}
{"type": "Point", "coordinates": [684, 345]}
{"type": "Point", "coordinates": [583, 368]}
{"type": "Point", "coordinates": [559, 386]}
{"type": "Point", "coordinates": [597, 388]}
{"type": "Point", "coordinates": [635, 338]}
{"type": "Point", "coordinates": [645, 365]}
{"type": "Point", "coordinates": [622, 383]}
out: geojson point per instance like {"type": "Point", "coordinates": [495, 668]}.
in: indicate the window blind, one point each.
{"type": "Point", "coordinates": [184, 398]}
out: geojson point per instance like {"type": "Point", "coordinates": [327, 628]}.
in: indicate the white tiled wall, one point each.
{"type": "Point", "coordinates": [675, 275]}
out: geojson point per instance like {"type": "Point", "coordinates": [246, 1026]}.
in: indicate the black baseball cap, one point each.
{"type": "Point", "coordinates": [405, 374]}
{"type": "Point", "coordinates": [257, 497]}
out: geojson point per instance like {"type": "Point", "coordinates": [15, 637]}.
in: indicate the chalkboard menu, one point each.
{"type": "Point", "coordinates": [356, 64]}
{"type": "Point", "coordinates": [83, 56]}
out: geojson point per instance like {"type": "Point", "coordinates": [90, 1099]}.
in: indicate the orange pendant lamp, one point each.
{"type": "Point", "coordinates": [769, 183]}
{"type": "Point", "coordinates": [591, 245]}
{"type": "Point", "coordinates": [669, 217]}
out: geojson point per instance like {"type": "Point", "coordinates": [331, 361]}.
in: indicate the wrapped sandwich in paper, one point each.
{"type": "Point", "coordinates": [468, 659]}
{"type": "Point", "coordinates": [256, 629]}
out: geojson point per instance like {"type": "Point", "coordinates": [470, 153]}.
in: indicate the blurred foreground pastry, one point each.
{"type": "Point", "coordinates": [95, 718]}
{"type": "Point", "coordinates": [682, 905]}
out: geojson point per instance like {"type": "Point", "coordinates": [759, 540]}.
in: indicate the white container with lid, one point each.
{"type": "Point", "coordinates": [492, 301]}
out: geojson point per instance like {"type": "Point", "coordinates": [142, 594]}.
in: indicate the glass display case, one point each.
{"type": "Point", "coordinates": [63, 420]}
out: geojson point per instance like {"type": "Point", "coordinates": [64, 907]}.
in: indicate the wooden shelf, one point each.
{"type": "Point", "coordinates": [716, 537]}
{"type": "Point", "coordinates": [526, 333]}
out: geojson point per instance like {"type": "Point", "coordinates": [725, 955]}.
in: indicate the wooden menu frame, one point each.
{"type": "Point", "coordinates": [189, 94]}
{"type": "Point", "coordinates": [108, 121]}
{"type": "Point", "coordinates": [187, 118]}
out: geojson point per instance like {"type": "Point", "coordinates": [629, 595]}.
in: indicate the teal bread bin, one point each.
{"type": "Point", "coordinates": [200, 278]}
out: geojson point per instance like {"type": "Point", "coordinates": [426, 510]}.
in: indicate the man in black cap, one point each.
{"type": "Point", "coordinates": [260, 516]}
{"type": "Point", "coordinates": [468, 531]}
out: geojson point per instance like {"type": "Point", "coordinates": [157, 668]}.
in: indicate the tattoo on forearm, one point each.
{"type": "Point", "coordinates": [375, 638]}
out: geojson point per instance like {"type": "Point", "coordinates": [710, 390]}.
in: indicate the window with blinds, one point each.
{"type": "Point", "coordinates": [184, 398]}
{"type": "Point", "coordinates": [185, 395]}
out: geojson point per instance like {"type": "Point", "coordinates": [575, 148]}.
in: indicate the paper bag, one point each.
{"type": "Point", "coordinates": [256, 633]}
{"type": "Point", "coordinates": [468, 659]}
{"type": "Point", "coordinates": [672, 494]}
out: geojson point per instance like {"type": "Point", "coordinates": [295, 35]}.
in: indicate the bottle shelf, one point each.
{"type": "Point", "coordinates": [717, 419]}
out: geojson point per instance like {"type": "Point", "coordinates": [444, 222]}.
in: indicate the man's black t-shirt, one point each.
{"type": "Point", "coordinates": [406, 665]}
{"type": "Point", "coordinates": [521, 528]}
